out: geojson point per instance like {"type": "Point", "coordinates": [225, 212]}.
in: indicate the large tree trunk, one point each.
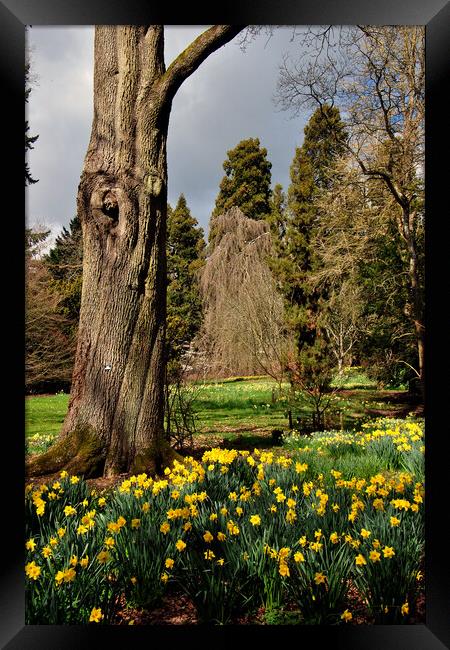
{"type": "Point", "coordinates": [416, 294]}
{"type": "Point", "coordinates": [115, 419]}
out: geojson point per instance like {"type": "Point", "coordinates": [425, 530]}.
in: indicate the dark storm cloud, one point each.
{"type": "Point", "coordinates": [227, 99]}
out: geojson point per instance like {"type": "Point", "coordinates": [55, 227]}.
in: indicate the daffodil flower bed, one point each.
{"type": "Point", "coordinates": [235, 531]}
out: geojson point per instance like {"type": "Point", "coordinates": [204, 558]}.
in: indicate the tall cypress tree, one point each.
{"type": "Point", "coordinates": [277, 216]}
{"type": "Point", "coordinates": [278, 223]}
{"type": "Point", "coordinates": [246, 183]}
{"type": "Point", "coordinates": [185, 248]}
{"type": "Point", "coordinates": [310, 174]}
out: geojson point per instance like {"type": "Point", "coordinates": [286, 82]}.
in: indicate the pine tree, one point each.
{"type": "Point", "coordinates": [65, 264]}
{"type": "Point", "coordinates": [185, 246]}
{"type": "Point", "coordinates": [296, 260]}
{"type": "Point", "coordinates": [66, 257]}
{"type": "Point", "coordinates": [246, 183]}
{"type": "Point", "coordinates": [277, 215]}
{"type": "Point", "coordinates": [278, 261]}
{"type": "Point", "coordinates": [34, 240]}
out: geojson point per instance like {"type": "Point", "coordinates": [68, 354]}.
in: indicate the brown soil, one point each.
{"type": "Point", "coordinates": [178, 609]}
{"type": "Point", "coordinates": [175, 609]}
{"type": "Point", "coordinates": [399, 404]}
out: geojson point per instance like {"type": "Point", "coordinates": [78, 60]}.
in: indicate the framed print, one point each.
{"type": "Point", "coordinates": [433, 630]}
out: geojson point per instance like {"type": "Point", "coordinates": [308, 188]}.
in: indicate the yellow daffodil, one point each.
{"type": "Point", "coordinates": [319, 578]}
{"type": "Point", "coordinates": [284, 570]}
{"type": "Point", "coordinates": [33, 570]}
{"type": "Point", "coordinates": [69, 575]}
{"type": "Point", "coordinates": [346, 616]}
{"type": "Point", "coordinates": [103, 557]}
{"type": "Point", "coordinates": [96, 615]}
{"type": "Point", "coordinates": [59, 577]}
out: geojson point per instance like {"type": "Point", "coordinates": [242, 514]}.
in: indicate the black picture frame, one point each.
{"type": "Point", "coordinates": [435, 15]}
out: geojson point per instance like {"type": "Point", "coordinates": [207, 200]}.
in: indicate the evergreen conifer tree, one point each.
{"type": "Point", "coordinates": [246, 183]}
{"type": "Point", "coordinates": [65, 264]}
{"type": "Point", "coordinates": [295, 259]}
{"type": "Point", "coordinates": [185, 246]}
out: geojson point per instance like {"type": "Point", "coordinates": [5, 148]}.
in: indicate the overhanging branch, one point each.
{"type": "Point", "coordinates": [193, 56]}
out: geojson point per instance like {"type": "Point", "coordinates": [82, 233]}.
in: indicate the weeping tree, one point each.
{"type": "Point", "coordinates": [115, 416]}
{"type": "Point", "coordinates": [244, 322]}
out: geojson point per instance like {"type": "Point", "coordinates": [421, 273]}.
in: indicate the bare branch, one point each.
{"type": "Point", "coordinates": [198, 51]}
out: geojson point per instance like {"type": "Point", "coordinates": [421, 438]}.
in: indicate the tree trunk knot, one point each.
{"type": "Point", "coordinates": [110, 206]}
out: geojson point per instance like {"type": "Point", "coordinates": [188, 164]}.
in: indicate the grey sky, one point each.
{"type": "Point", "coordinates": [227, 99]}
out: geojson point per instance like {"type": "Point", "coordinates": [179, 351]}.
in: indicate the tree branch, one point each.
{"type": "Point", "coordinates": [191, 58]}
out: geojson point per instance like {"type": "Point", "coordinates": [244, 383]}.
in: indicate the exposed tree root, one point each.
{"type": "Point", "coordinates": [83, 453]}
{"type": "Point", "coordinates": [155, 459]}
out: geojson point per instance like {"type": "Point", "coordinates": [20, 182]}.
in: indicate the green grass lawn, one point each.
{"type": "Point", "coordinates": [45, 415]}
{"type": "Point", "coordinates": [231, 407]}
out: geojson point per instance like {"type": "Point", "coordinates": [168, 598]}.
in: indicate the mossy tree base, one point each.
{"type": "Point", "coordinates": [83, 453]}
{"type": "Point", "coordinates": [154, 460]}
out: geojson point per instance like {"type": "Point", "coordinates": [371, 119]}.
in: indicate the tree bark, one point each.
{"type": "Point", "coordinates": [115, 420]}
{"type": "Point", "coordinates": [408, 219]}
